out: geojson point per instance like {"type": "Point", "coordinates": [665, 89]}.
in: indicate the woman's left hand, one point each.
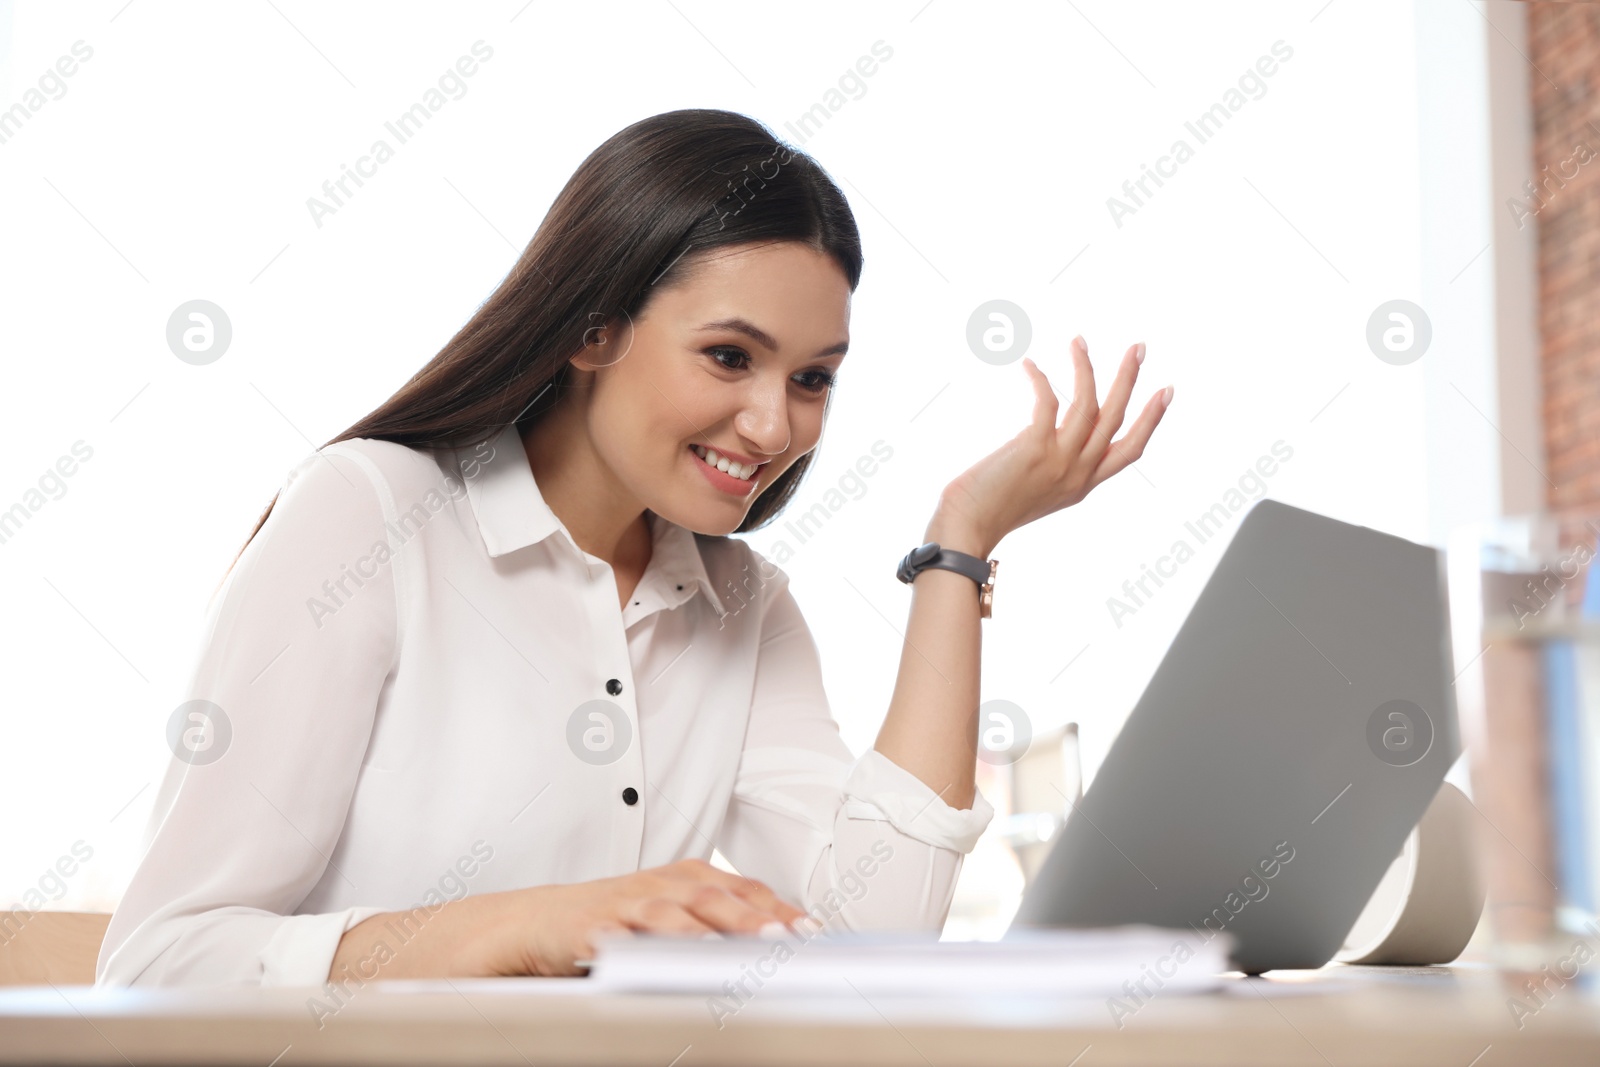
{"type": "Point", "coordinates": [1047, 467]}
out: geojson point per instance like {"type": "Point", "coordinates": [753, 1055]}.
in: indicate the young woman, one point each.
{"type": "Point", "coordinates": [490, 677]}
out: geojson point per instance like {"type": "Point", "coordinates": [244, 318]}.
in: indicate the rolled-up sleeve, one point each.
{"type": "Point", "coordinates": [249, 821]}
{"type": "Point", "coordinates": [861, 843]}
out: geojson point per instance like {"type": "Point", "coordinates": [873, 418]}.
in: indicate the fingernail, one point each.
{"type": "Point", "coordinates": [774, 930]}
{"type": "Point", "coordinates": [1079, 343]}
{"type": "Point", "coordinates": [1168, 400]}
{"type": "Point", "coordinates": [1140, 354]}
{"type": "Point", "coordinates": [808, 924]}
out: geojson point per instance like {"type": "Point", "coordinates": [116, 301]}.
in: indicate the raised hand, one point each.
{"type": "Point", "coordinates": [1047, 467]}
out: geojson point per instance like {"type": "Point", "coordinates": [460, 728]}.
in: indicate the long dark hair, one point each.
{"type": "Point", "coordinates": [634, 215]}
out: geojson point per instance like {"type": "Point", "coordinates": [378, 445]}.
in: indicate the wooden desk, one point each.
{"type": "Point", "coordinates": [1344, 1016]}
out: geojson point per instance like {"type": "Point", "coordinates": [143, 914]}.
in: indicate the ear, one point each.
{"type": "Point", "coordinates": [605, 341]}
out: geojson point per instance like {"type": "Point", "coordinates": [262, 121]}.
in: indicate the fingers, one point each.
{"type": "Point", "coordinates": [1084, 408]}
{"type": "Point", "coordinates": [659, 915]}
{"type": "Point", "coordinates": [588, 946]}
{"type": "Point", "coordinates": [756, 892]}
{"type": "Point", "coordinates": [1044, 397]}
{"type": "Point", "coordinates": [1087, 430]}
{"type": "Point", "coordinates": [1116, 405]}
{"type": "Point", "coordinates": [761, 897]}
{"type": "Point", "coordinates": [689, 898]}
{"type": "Point", "coordinates": [1131, 445]}
{"type": "Point", "coordinates": [749, 898]}
{"type": "Point", "coordinates": [726, 912]}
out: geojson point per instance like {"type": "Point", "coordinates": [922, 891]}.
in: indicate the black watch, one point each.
{"type": "Point", "coordinates": [931, 555]}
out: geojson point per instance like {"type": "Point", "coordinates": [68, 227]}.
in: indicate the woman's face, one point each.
{"type": "Point", "coordinates": [735, 358]}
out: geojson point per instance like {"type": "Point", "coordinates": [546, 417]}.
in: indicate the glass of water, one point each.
{"type": "Point", "coordinates": [1525, 631]}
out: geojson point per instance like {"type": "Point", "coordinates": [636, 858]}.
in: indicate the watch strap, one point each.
{"type": "Point", "coordinates": [932, 555]}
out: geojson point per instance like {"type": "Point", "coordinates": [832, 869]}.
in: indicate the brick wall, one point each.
{"type": "Point", "coordinates": [1564, 202]}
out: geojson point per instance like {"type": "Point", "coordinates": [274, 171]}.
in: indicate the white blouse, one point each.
{"type": "Point", "coordinates": [410, 689]}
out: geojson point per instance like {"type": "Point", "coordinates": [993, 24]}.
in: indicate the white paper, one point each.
{"type": "Point", "coordinates": [1032, 962]}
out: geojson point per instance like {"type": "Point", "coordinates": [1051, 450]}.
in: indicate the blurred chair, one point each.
{"type": "Point", "coordinates": [50, 947]}
{"type": "Point", "coordinates": [1046, 783]}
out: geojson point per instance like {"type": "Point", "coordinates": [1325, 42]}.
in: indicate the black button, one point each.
{"type": "Point", "coordinates": [630, 795]}
{"type": "Point", "coordinates": [680, 587]}
{"type": "Point", "coordinates": [613, 687]}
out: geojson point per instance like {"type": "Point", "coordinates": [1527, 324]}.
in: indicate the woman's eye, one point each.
{"type": "Point", "coordinates": [718, 353]}
{"type": "Point", "coordinates": [812, 381]}
{"type": "Point", "coordinates": [819, 381]}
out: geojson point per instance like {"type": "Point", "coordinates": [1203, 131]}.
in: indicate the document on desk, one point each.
{"type": "Point", "coordinates": [1048, 962]}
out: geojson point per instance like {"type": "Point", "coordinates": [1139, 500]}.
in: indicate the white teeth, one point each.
{"type": "Point", "coordinates": [723, 463]}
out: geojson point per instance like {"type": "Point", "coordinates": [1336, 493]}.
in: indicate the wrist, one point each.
{"type": "Point", "coordinates": [445, 940]}
{"type": "Point", "coordinates": [959, 535]}
{"type": "Point", "coordinates": [483, 944]}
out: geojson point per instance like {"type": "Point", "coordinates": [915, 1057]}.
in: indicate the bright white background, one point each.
{"type": "Point", "coordinates": [978, 160]}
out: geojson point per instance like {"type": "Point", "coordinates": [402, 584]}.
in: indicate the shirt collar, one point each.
{"type": "Point", "coordinates": [512, 514]}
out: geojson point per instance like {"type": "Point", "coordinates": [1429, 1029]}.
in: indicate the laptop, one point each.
{"type": "Point", "coordinates": [1294, 732]}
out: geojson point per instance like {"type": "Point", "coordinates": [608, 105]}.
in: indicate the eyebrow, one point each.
{"type": "Point", "coordinates": [765, 339]}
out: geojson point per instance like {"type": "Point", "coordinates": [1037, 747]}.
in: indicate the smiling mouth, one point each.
{"type": "Point", "coordinates": [712, 458]}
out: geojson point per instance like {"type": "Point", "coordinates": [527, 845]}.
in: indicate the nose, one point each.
{"type": "Point", "coordinates": [763, 421]}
